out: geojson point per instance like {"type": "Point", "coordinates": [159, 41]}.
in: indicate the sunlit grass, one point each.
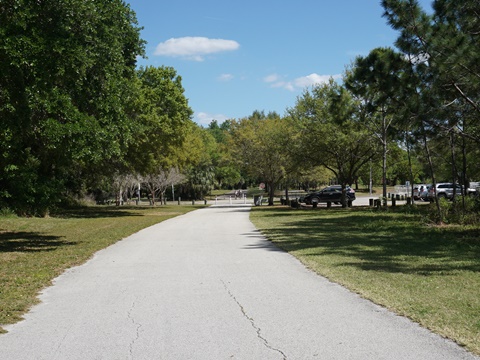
{"type": "Point", "coordinates": [33, 251]}
{"type": "Point", "coordinates": [430, 274]}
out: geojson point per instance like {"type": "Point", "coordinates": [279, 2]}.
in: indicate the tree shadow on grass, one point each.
{"type": "Point", "coordinates": [30, 242]}
{"type": "Point", "coordinates": [395, 243]}
{"type": "Point", "coordinates": [92, 212]}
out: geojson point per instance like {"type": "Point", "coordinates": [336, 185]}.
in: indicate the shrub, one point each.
{"type": "Point", "coordinates": [463, 211]}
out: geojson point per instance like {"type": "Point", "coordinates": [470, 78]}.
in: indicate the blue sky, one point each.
{"type": "Point", "coordinates": [236, 57]}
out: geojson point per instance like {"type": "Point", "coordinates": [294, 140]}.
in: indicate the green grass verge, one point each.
{"type": "Point", "coordinates": [33, 251]}
{"type": "Point", "coordinates": [429, 274]}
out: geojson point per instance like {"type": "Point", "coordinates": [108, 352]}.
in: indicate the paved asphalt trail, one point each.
{"type": "Point", "coordinates": [207, 285]}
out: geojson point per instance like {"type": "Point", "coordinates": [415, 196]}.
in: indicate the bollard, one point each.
{"type": "Point", "coordinates": [179, 200]}
{"type": "Point", "coordinates": [394, 201]}
{"type": "Point", "coordinates": [370, 202]}
{"type": "Point", "coordinates": [193, 202]}
{"type": "Point", "coordinates": [205, 200]}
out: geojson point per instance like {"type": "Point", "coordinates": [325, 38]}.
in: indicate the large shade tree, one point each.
{"type": "Point", "coordinates": [259, 146]}
{"type": "Point", "coordinates": [377, 80]}
{"type": "Point", "coordinates": [330, 134]}
{"type": "Point", "coordinates": [161, 119]}
{"type": "Point", "coordinates": [66, 71]}
{"type": "Point", "coordinates": [442, 49]}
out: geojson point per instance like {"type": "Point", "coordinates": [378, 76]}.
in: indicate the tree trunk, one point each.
{"type": "Point", "coordinates": [153, 198]}
{"type": "Point", "coordinates": [430, 164]}
{"type": "Point", "coordinates": [271, 193]}
{"type": "Point", "coordinates": [118, 201]}
{"type": "Point", "coordinates": [384, 159]}
{"type": "Point", "coordinates": [409, 155]}
{"type": "Point", "coordinates": [454, 166]}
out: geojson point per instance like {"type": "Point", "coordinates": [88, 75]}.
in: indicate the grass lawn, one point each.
{"type": "Point", "coordinates": [427, 273]}
{"type": "Point", "coordinates": [33, 251]}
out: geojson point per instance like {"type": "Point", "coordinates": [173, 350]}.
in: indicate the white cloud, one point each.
{"type": "Point", "coordinates": [194, 48]}
{"type": "Point", "coordinates": [205, 119]}
{"type": "Point", "coordinates": [277, 81]}
{"type": "Point", "coordinates": [272, 78]}
{"type": "Point", "coordinates": [225, 77]}
{"type": "Point", "coordinates": [314, 79]}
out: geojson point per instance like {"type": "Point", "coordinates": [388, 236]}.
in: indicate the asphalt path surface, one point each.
{"type": "Point", "coordinates": [208, 285]}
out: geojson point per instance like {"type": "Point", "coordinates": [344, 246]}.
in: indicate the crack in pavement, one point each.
{"type": "Point", "coordinates": [138, 327]}
{"type": "Point", "coordinates": [252, 322]}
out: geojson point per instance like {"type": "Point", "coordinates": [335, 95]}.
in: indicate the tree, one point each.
{"type": "Point", "coordinates": [158, 182]}
{"type": "Point", "coordinates": [259, 147]}
{"type": "Point", "coordinates": [226, 171]}
{"type": "Point", "coordinates": [377, 80]}
{"type": "Point", "coordinates": [66, 71]}
{"type": "Point", "coordinates": [198, 155]}
{"type": "Point", "coordinates": [162, 119]}
{"type": "Point", "coordinates": [329, 133]}
{"type": "Point", "coordinates": [442, 50]}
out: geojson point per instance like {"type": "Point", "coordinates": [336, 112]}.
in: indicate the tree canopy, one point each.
{"type": "Point", "coordinates": [76, 113]}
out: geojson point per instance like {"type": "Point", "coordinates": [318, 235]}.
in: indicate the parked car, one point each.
{"type": "Point", "coordinates": [423, 195]}
{"type": "Point", "coordinates": [445, 190]}
{"type": "Point", "coordinates": [475, 185]}
{"type": "Point", "coordinates": [418, 189]}
{"type": "Point", "coordinates": [330, 194]}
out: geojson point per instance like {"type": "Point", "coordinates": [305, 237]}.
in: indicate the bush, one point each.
{"type": "Point", "coordinates": [7, 212]}
{"type": "Point", "coordinates": [463, 211]}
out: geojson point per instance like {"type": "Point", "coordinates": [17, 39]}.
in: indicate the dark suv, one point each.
{"type": "Point", "coordinates": [330, 194]}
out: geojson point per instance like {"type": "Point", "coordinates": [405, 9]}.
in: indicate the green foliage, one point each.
{"type": "Point", "coordinates": [259, 146]}
{"type": "Point", "coordinates": [161, 119]}
{"type": "Point", "coordinates": [6, 213]}
{"type": "Point", "coordinates": [66, 71]}
{"type": "Point", "coordinates": [227, 172]}
{"type": "Point", "coordinates": [201, 181]}
{"type": "Point", "coordinates": [227, 176]}
{"type": "Point", "coordinates": [436, 96]}
{"type": "Point", "coordinates": [464, 210]}
{"type": "Point", "coordinates": [328, 133]}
